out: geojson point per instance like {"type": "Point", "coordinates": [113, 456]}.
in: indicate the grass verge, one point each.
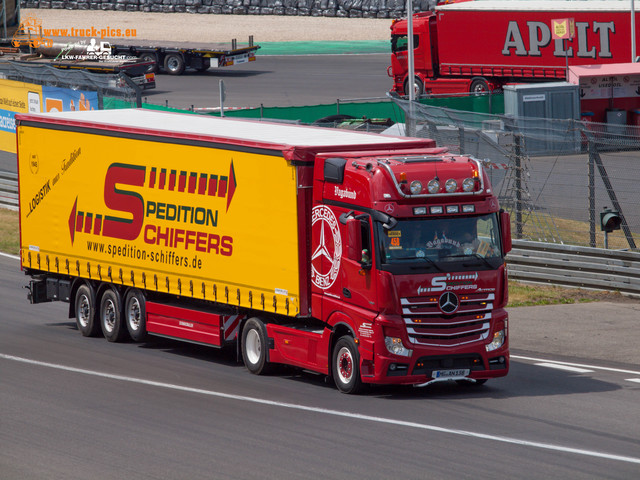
{"type": "Point", "coordinates": [9, 238]}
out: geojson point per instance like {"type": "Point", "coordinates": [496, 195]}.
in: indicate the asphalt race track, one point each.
{"type": "Point", "coordinates": [78, 408]}
{"type": "Point", "coordinates": [278, 81]}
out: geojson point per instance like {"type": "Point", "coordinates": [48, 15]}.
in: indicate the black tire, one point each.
{"type": "Point", "coordinates": [479, 85]}
{"type": "Point", "coordinates": [346, 366]}
{"type": "Point", "coordinates": [85, 310]}
{"type": "Point", "coordinates": [333, 119]}
{"type": "Point", "coordinates": [418, 87]}
{"type": "Point", "coordinates": [174, 64]}
{"type": "Point", "coordinates": [255, 347]}
{"type": "Point", "coordinates": [150, 57]}
{"type": "Point", "coordinates": [135, 315]}
{"type": "Point", "coordinates": [113, 327]}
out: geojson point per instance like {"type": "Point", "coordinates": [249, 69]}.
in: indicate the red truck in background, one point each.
{"type": "Point", "coordinates": [369, 259]}
{"type": "Point", "coordinates": [478, 46]}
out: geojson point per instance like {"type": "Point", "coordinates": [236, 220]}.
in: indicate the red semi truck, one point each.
{"type": "Point", "coordinates": [369, 259]}
{"type": "Point", "coordinates": [477, 46]}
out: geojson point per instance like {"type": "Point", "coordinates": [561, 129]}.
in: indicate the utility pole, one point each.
{"type": "Point", "coordinates": [411, 70]}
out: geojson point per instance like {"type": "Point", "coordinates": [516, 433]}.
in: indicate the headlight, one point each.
{"type": "Point", "coordinates": [450, 185]}
{"type": "Point", "coordinates": [395, 346]}
{"type": "Point", "coordinates": [415, 187]}
{"type": "Point", "coordinates": [433, 186]}
{"type": "Point", "coordinates": [496, 343]}
{"type": "Point", "coordinates": [468, 184]}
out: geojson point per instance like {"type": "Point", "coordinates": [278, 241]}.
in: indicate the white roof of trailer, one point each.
{"type": "Point", "coordinates": [541, 5]}
{"type": "Point", "coordinates": [241, 129]}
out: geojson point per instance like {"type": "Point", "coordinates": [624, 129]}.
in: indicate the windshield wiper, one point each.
{"type": "Point", "coordinates": [474, 256]}
{"type": "Point", "coordinates": [430, 263]}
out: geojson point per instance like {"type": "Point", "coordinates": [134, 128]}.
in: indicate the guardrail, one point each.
{"type": "Point", "coordinates": [573, 266]}
{"type": "Point", "coordinates": [9, 190]}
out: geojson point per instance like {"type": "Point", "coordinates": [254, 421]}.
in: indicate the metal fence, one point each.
{"type": "Point", "coordinates": [9, 190]}
{"type": "Point", "coordinates": [106, 85]}
{"type": "Point", "coordinates": [573, 266]}
{"type": "Point", "coordinates": [554, 176]}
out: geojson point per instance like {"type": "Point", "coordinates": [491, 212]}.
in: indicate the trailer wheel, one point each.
{"type": "Point", "coordinates": [135, 315]}
{"type": "Point", "coordinates": [85, 309]}
{"type": "Point", "coordinates": [346, 365]}
{"type": "Point", "coordinates": [255, 346]}
{"type": "Point", "coordinates": [479, 85]}
{"type": "Point", "coordinates": [174, 64]}
{"type": "Point", "coordinates": [111, 322]}
{"type": "Point", "coordinates": [150, 57]}
{"type": "Point", "coordinates": [418, 87]}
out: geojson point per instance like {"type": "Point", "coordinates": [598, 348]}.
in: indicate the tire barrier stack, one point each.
{"type": "Point", "coordinates": [314, 8]}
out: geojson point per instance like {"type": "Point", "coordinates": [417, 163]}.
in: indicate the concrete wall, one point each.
{"type": "Point", "coordinates": [316, 8]}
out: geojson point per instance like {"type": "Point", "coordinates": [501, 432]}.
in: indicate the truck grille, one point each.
{"type": "Point", "coordinates": [429, 325]}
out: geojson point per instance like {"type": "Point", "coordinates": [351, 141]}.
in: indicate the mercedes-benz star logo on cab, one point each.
{"type": "Point", "coordinates": [448, 302]}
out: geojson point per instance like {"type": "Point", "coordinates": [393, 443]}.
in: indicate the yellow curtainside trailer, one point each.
{"type": "Point", "coordinates": [191, 218]}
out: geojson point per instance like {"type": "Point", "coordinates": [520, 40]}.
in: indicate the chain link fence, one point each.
{"type": "Point", "coordinates": [555, 177]}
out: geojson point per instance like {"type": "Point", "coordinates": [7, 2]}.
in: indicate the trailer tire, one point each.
{"type": "Point", "coordinates": [418, 87]}
{"type": "Point", "coordinates": [113, 327]}
{"type": "Point", "coordinates": [85, 310]}
{"type": "Point", "coordinates": [135, 315]}
{"type": "Point", "coordinates": [150, 57]}
{"type": "Point", "coordinates": [255, 347]}
{"type": "Point", "coordinates": [174, 64]}
{"type": "Point", "coordinates": [479, 85]}
{"type": "Point", "coordinates": [346, 365]}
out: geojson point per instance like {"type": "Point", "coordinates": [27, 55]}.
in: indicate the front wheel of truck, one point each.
{"type": "Point", "coordinates": [346, 366]}
{"type": "Point", "coordinates": [254, 347]}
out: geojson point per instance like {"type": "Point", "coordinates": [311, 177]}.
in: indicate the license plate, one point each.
{"type": "Point", "coordinates": [238, 59]}
{"type": "Point", "coordinates": [446, 374]}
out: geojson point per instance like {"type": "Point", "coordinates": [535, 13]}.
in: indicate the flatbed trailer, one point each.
{"type": "Point", "coordinates": [137, 70]}
{"type": "Point", "coordinates": [175, 60]}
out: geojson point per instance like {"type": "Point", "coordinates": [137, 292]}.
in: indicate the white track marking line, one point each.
{"type": "Point", "coordinates": [636, 380]}
{"type": "Point", "coordinates": [563, 367]}
{"type": "Point", "coordinates": [579, 365]}
{"type": "Point", "coordinates": [9, 256]}
{"type": "Point", "coordinates": [356, 416]}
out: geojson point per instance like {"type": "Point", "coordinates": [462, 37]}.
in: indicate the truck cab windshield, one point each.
{"type": "Point", "coordinates": [441, 243]}
{"type": "Point", "coordinates": [400, 43]}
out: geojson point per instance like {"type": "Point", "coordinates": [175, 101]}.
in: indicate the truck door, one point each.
{"type": "Point", "coordinates": [358, 283]}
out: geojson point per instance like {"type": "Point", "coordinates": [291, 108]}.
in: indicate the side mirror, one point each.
{"type": "Point", "coordinates": [354, 240]}
{"type": "Point", "coordinates": [505, 231]}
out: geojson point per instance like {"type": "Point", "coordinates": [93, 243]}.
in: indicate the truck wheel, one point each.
{"type": "Point", "coordinates": [150, 57]}
{"type": "Point", "coordinates": [174, 64]}
{"type": "Point", "coordinates": [85, 304]}
{"type": "Point", "coordinates": [479, 85]}
{"type": "Point", "coordinates": [346, 365]}
{"type": "Point", "coordinates": [418, 87]}
{"type": "Point", "coordinates": [135, 315]}
{"type": "Point", "coordinates": [254, 347]}
{"type": "Point", "coordinates": [111, 322]}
